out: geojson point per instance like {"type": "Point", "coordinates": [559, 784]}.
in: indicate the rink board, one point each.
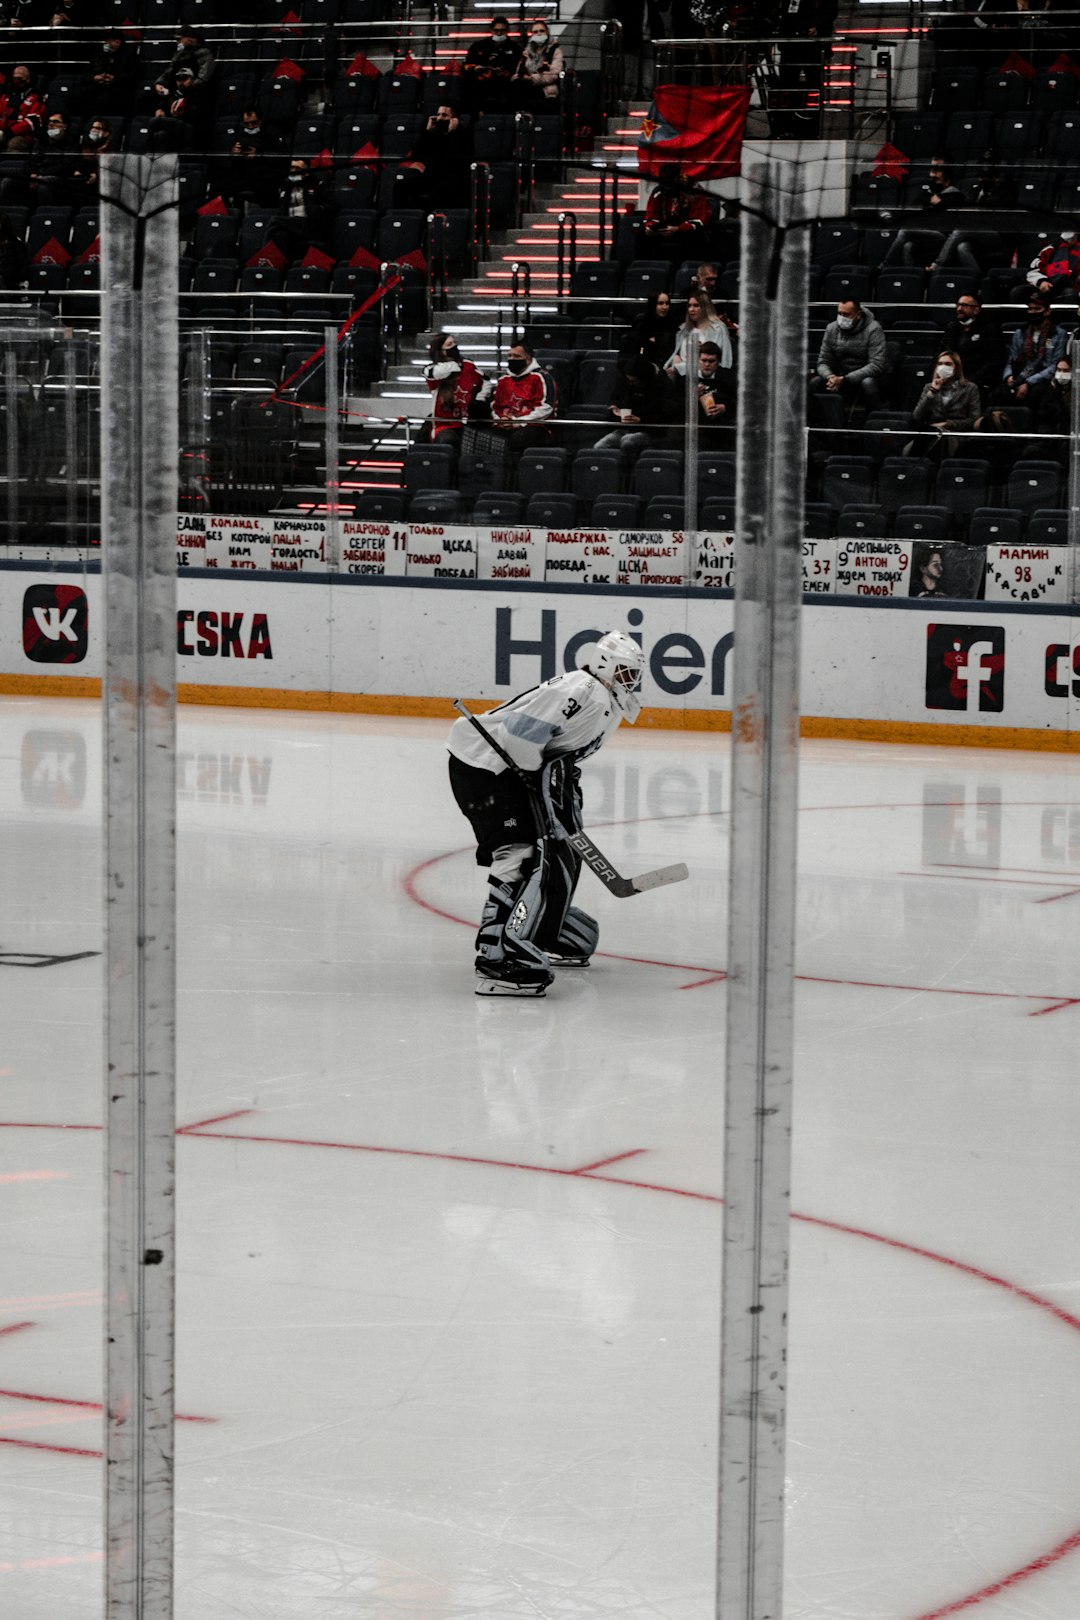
{"type": "Point", "coordinates": [1000, 672]}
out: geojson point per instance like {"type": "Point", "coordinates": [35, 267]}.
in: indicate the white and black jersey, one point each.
{"type": "Point", "coordinates": [568, 717]}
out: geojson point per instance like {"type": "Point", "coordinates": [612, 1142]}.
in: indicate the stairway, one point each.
{"type": "Point", "coordinates": [479, 309]}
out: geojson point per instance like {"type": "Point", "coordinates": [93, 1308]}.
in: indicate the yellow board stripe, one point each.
{"type": "Point", "coordinates": [927, 732]}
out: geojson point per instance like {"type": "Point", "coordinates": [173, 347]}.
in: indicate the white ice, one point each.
{"type": "Point", "coordinates": [445, 1369]}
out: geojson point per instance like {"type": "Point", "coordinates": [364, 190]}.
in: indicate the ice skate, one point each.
{"type": "Point", "coordinates": [507, 980]}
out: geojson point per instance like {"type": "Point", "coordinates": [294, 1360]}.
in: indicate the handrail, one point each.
{"type": "Point", "coordinates": [438, 262]}
{"type": "Point", "coordinates": [567, 256]}
{"type": "Point", "coordinates": [479, 214]}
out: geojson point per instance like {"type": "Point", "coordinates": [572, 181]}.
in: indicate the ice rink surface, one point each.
{"type": "Point", "coordinates": [448, 1293]}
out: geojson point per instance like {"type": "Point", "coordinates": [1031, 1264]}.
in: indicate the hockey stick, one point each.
{"type": "Point", "coordinates": [597, 862]}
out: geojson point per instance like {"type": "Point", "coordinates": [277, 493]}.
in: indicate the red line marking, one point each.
{"type": "Point", "coordinates": [1048, 899]}
{"type": "Point", "coordinates": [86, 1406]}
{"type": "Point", "coordinates": [16, 1327]}
{"type": "Point", "coordinates": [601, 1164]}
{"type": "Point", "coordinates": [977, 877]}
{"type": "Point", "coordinates": [215, 1119]}
{"type": "Point", "coordinates": [719, 975]}
{"type": "Point", "coordinates": [1039, 871]}
{"type": "Point", "coordinates": [1070, 1544]}
{"type": "Point", "coordinates": [39, 1445]}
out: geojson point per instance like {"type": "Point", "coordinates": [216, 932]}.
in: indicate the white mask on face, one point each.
{"type": "Point", "coordinates": [1063, 378]}
{"type": "Point", "coordinates": [845, 322]}
{"type": "Point", "coordinates": [1068, 236]}
{"type": "Point", "coordinates": [945, 372]}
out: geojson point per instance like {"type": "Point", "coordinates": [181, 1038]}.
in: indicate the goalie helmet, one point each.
{"type": "Point", "coordinates": [617, 662]}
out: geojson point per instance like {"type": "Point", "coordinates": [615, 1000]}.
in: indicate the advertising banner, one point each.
{"type": "Point", "coordinates": [514, 552]}
{"type": "Point", "coordinates": [579, 557]}
{"type": "Point", "coordinates": [991, 665]}
{"type": "Point", "coordinates": [441, 551]}
{"type": "Point", "coordinates": [368, 547]}
{"type": "Point", "coordinates": [650, 557]}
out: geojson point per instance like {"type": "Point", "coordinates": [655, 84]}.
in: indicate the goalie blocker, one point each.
{"type": "Point", "coordinates": [515, 776]}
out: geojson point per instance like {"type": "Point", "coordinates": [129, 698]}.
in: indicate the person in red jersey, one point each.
{"type": "Point", "coordinates": [524, 401]}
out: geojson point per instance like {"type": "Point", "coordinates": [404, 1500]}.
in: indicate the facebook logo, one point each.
{"type": "Point", "coordinates": [965, 667]}
{"type": "Point", "coordinates": [54, 624]}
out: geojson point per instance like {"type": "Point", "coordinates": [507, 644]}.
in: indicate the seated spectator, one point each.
{"type": "Point", "coordinates": [1051, 411]}
{"type": "Point", "coordinates": [488, 69]}
{"type": "Point", "coordinates": [1034, 352]}
{"type": "Point", "coordinates": [948, 405]}
{"type": "Point", "coordinates": [180, 124]}
{"type": "Point", "coordinates": [918, 245]}
{"type": "Point", "coordinates": [254, 128]}
{"type": "Point", "coordinates": [252, 174]}
{"type": "Point", "coordinates": [524, 401]}
{"type": "Point", "coordinates": [976, 336]}
{"type": "Point", "coordinates": [677, 218]}
{"type": "Point", "coordinates": [52, 166]}
{"type": "Point", "coordinates": [1055, 273]}
{"type": "Point", "coordinates": [307, 206]}
{"type": "Point", "coordinates": [641, 399]}
{"type": "Point", "coordinates": [192, 51]}
{"type": "Point", "coordinates": [22, 109]}
{"type": "Point", "coordinates": [457, 385]}
{"type": "Point", "coordinates": [194, 61]}
{"type": "Point", "coordinates": [852, 363]}
{"type": "Point", "coordinates": [436, 172]}
{"type": "Point", "coordinates": [702, 320]}
{"type": "Point", "coordinates": [717, 392]}
{"type": "Point", "coordinates": [536, 76]}
{"type": "Point", "coordinates": [99, 138]}
{"type": "Point", "coordinates": [108, 84]}
{"type": "Point", "coordinates": [653, 333]}
{"type": "Point", "coordinates": [14, 269]}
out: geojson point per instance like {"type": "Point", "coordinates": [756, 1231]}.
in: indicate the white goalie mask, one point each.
{"type": "Point", "coordinates": [617, 662]}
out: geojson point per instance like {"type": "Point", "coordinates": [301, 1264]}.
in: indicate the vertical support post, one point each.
{"type": "Point", "coordinates": [761, 942]}
{"type": "Point", "coordinates": [139, 473]}
{"type": "Point", "coordinates": [332, 445]}
{"type": "Point", "coordinates": [692, 356]}
{"type": "Point", "coordinates": [1073, 580]}
{"type": "Point", "coordinates": [72, 402]}
{"type": "Point", "coordinates": [11, 446]}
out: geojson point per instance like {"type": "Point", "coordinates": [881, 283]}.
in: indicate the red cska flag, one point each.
{"type": "Point", "coordinates": [698, 127]}
{"type": "Point", "coordinates": [890, 163]}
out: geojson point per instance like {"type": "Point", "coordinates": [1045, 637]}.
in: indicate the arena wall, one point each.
{"type": "Point", "coordinates": [995, 674]}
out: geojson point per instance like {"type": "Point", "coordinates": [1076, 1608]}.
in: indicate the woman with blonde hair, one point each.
{"type": "Point", "coordinates": [703, 322]}
{"type": "Point", "coordinates": [948, 405]}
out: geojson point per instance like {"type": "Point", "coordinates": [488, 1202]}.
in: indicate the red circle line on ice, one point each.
{"type": "Point", "coordinates": [200, 1130]}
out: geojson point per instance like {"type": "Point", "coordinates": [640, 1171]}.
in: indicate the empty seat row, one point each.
{"type": "Point", "coordinates": [984, 526]}
{"type": "Point", "coordinates": [960, 485]}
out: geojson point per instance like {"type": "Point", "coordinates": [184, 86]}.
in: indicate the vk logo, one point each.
{"type": "Point", "coordinates": [54, 626]}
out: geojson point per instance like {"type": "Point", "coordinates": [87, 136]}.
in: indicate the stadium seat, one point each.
{"type": "Point", "coordinates": [922, 523]}
{"type": "Point", "coordinates": [542, 471]}
{"type": "Point", "coordinates": [1033, 485]}
{"type": "Point", "coordinates": [595, 474]}
{"type": "Point", "coordinates": [429, 466]}
{"type": "Point", "coordinates": [664, 512]}
{"type": "Point", "coordinates": [858, 522]}
{"type": "Point", "coordinates": [848, 480]}
{"type": "Point", "coordinates": [658, 472]}
{"type": "Point", "coordinates": [494, 507]}
{"type": "Point", "coordinates": [1052, 92]}
{"type": "Point", "coordinates": [1003, 93]}
{"type": "Point", "coordinates": [819, 521]}
{"type": "Point", "coordinates": [995, 525]}
{"type": "Point", "coordinates": [436, 506]}
{"type": "Point", "coordinates": [1048, 528]}
{"type": "Point", "coordinates": [381, 506]}
{"type": "Point", "coordinates": [962, 485]}
{"type": "Point", "coordinates": [616, 512]}
{"type": "Point", "coordinates": [552, 511]}
{"type": "Point", "coordinates": [903, 481]}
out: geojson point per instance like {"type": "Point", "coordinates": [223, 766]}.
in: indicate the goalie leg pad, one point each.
{"type": "Point", "coordinates": [578, 939]}
{"type": "Point", "coordinates": [505, 950]}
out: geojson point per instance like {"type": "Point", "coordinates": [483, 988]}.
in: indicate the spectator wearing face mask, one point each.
{"type": "Point", "coordinates": [1051, 411]}
{"type": "Point", "coordinates": [852, 364]}
{"type": "Point", "coordinates": [457, 386]}
{"type": "Point", "coordinates": [524, 401]}
{"type": "Point", "coordinates": [536, 77]}
{"type": "Point", "coordinates": [52, 169]}
{"type": "Point", "coordinates": [948, 405]}
{"type": "Point", "coordinates": [1056, 271]}
{"type": "Point", "coordinates": [109, 81]}
{"type": "Point", "coordinates": [489, 67]}
{"type": "Point", "coordinates": [1034, 352]}
{"type": "Point", "coordinates": [99, 138]}
{"type": "Point", "coordinates": [975, 335]}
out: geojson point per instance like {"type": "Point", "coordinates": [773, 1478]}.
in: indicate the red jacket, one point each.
{"type": "Point", "coordinates": [528, 398]}
{"type": "Point", "coordinates": [687, 210]}
{"type": "Point", "coordinates": [453, 396]}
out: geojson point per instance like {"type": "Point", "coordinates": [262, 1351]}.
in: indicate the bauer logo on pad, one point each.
{"type": "Point", "coordinates": [55, 627]}
{"type": "Point", "coordinates": [965, 667]}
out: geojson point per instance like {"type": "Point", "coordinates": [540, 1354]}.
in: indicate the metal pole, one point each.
{"type": "Point", "coordinates": [72, 401]}
{"type": "Point", "coordinates": [761, 942]}
{"type": "Point", "coordinates": [690, 445]}
{"type": "Point", "coordinates": [139, 467]}
{"type": "Point", "coordinates": [1073, 580]}
{"type": "Point", "coordinates": [333, 451]}
{"type": "Point", "coordinates": [14, 460]}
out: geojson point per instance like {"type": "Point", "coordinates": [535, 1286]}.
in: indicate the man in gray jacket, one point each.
{"type": "Point", "coordinates": [852, 363]}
